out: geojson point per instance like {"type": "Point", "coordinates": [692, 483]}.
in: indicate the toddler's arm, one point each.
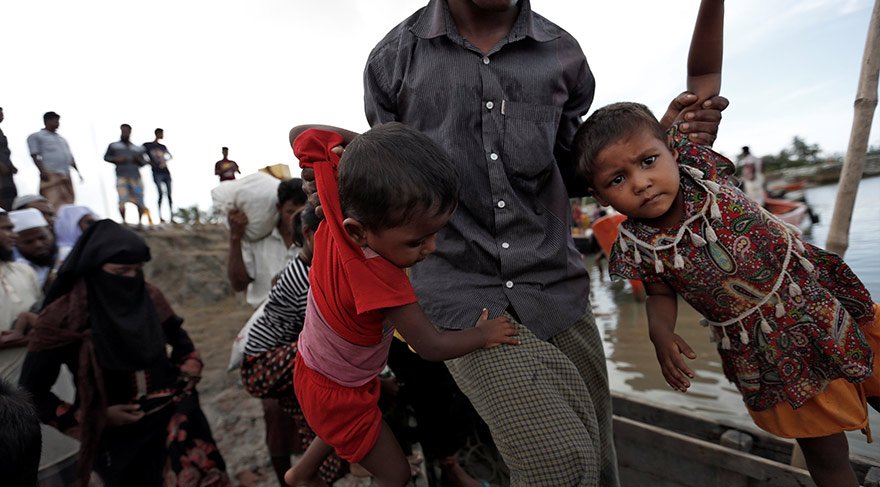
{"type": "Point", "coordinates": [436, 345]}
{"type": "Point", "coordinates": [308, 175]}
{"type": "Point", "coordinates": [662, 308]}
{"type": "Point", "coordinates": [705, 54]}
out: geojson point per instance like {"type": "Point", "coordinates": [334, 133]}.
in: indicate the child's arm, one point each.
{"type": "Point", "coordinates": [347, 135]}
{"type": "Point", "coordinates": [435, 345]}
{"type": "Point", "coordinates": [705, 54]}
{"type": "Point", "coordinates": [310, 186]}
{"type": "Point", "coordinates": [662, 308]}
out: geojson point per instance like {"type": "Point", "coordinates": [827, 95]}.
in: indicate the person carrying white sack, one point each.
{"type": "Point", "coordinates": [257, 253]}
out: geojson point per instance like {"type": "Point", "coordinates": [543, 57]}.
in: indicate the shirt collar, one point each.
{"type": "Point", "coordinates": [435, 21]}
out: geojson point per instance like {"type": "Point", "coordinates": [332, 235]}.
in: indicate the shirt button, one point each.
{"type": "Point", "coordinates": [505, 245]}
{"type": "Point", "coordinates": [485, 60]}
{"type": "Point", "coordinates": [508, 284]}
{"type": "Point", "coordinates": [490, 105]}
{"type": "Point", "coordinates": [501, 204]}
{"type": "Point", "coordinates": [493, 156]}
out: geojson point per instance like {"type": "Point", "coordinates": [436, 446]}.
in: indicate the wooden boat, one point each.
{"type": "Point", "coordinates": [662, 446]}
{"type": "Point", "coordinates": [795, 213]}
{"type": "Point", "coordinates": [584, 240]}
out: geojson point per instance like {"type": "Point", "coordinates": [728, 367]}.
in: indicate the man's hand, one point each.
{"type": "Point", "coordinates": [699, 122]}
{"type": "Point", "coordinates": [310, 186]}
{"type": "Point", "coordinates": [670, 347]}
{"type": "Point", "coordinates": [122, 414]}
{"type": "Point", "coordinates": [238, 221]}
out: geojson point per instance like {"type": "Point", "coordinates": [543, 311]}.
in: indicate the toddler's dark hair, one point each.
{"type": "Point", "coordinates": [392, 173]}
{"type": "Point", "coordinates": [606, 126]}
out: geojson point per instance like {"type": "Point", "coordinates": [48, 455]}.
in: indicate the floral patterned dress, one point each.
{"type": "Point", "coordinates": [786, 314]}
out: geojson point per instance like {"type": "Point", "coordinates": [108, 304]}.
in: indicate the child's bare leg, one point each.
{"type": "Point", "coordinates": [386, 461]}
{"type": "Point", "coordinates": [828, 460]}
{"type": "Point", "coordinates": [305, 472]}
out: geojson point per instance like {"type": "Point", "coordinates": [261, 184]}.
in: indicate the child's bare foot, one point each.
{"type": "Point", "coordinates": [294, 478]}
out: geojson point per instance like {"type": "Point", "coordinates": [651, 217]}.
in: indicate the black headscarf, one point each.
{"type": "Point", "coordinates": [123, 320]}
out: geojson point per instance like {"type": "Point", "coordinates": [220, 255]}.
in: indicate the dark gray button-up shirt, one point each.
{"type": "Point", "coordinates": [506, 119]}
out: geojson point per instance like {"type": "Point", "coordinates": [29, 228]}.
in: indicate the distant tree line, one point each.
{"type": "Point", "coordinates": [801, 153]}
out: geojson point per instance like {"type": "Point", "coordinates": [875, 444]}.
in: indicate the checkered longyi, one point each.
{"type": "Point", "coordinates": [547, 405]}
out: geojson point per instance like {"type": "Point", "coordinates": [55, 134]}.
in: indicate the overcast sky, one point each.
{"type": "Point", "coordinates": [241, 74]}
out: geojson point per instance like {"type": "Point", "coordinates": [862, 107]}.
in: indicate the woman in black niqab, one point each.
{"type": "Point", "coordinates": [111, 328]}
{"type": "Point", "coordinates": [124, 323]}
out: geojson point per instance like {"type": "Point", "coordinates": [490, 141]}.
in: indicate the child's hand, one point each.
{"type": "Point", "coordinates": [669, 351]}
{"type": "Point", "coordinates": [497, 331]}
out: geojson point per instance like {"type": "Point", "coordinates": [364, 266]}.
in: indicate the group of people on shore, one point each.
{"type": "Point", "coordinates": [442, 235]}
{"type": "Point", "coordinates": [54, 160]}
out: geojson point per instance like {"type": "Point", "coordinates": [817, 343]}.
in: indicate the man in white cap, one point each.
{"type": "Point", "coordinates": [35, 201]}
{"type": "Point", "coordinates": [36, 244]}
{"type": "Point", "coordinates": [19, 290]}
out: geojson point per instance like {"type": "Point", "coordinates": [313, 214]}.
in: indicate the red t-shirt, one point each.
{"type": "Point", "coordinates": [349, 288]}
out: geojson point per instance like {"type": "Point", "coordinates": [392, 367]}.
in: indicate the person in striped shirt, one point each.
{"type": "Point", "coordinates": [267, 368]}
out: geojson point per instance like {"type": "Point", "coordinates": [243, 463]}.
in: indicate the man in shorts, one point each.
{"type": "Point", "coordinates": [129, 158]}
{"type": "Point", "coordinates": [53, 158]}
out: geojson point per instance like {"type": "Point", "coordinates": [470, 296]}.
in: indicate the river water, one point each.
{"type": "Point", "coordinates": [632, 365]}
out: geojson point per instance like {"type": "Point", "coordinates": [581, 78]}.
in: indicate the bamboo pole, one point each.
{"type": "Point", "coordinates": [854, 164]}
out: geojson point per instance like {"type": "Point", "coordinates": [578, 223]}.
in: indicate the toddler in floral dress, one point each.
{"type": "Point", "coordinates": [796, 329]}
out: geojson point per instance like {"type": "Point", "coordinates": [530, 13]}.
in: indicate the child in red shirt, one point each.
{"type": "Point", "coordinates": [396, 190]}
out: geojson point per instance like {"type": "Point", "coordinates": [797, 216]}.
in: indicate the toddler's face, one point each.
{"type": "Point", "coordinates": [408, 244]}
{"type": "Point", "coordinates": [638, 176]}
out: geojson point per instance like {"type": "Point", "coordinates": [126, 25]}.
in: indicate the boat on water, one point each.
{"type": "Point", "coordinates": [663, 446]}
{"type": "Point", "coordinates": [795, 213]}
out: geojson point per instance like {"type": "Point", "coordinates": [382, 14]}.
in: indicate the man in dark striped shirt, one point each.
{"type": "Point", "coordinates": [503, 90]}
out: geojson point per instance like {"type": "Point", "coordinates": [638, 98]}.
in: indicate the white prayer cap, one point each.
{"type": "Point", "coordinates": [27, 219]}
{"type": "Point", "coordinates": [21, 201]}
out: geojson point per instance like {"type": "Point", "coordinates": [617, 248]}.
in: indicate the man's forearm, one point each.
{"type": "Point", "coordinates": [235, 268]}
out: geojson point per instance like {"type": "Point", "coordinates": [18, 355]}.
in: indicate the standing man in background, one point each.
{"type": "Point", "coordinates": [159, 157]}
{"type": "Point", "coordinates": [53, 158]}
{"type": "Point", "coordinates": [128, 158]}
{"type": "Point", "coordinates": [8, 191]}
{"type": "Point", "coordinates": [226, 168]}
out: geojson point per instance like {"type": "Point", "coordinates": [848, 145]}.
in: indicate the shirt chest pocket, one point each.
{"type": "Point", "coordinates": [529, 136]}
